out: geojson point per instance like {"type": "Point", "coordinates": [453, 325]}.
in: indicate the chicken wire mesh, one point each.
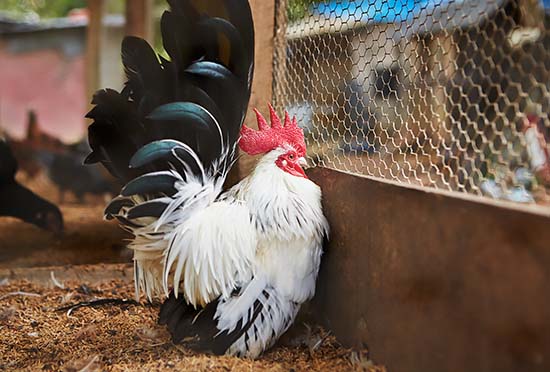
{"type": "Point", "coordinates": [452, 94]}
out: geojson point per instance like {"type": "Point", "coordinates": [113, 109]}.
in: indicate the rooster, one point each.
{"type": "Point", "coordinates": [235, 265]}
{"type": "Point", "coordinates": [19, 202]}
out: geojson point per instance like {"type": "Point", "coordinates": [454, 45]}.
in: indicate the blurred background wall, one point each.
{"type": "Point", "coordinates": [42, 69]}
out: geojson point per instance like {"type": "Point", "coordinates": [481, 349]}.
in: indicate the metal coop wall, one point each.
{"type": "Point", "coordinates": [452, 98]}
{"type": "Point", "coordinates": [451, 94]}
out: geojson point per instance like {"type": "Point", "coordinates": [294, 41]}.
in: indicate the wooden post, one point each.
{"type": "Point", "coordinates": [93, 46]}
{"type": "Point", "coordinates": [139, 19]}
{"type": "Point", "coordinates": [263, 12]}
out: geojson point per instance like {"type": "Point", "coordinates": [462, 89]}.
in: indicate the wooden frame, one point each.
{"type": "Point", "coordinates": [263, 12]}
{"type": "Point", "coordinates": [94, 35]}
{"type": "Point", "coordinates": [139, 19]}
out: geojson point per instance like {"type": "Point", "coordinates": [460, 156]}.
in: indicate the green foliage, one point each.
{"type": "Point", "coordinates": [298, 9]}
{"type": "Point", "coordinates": [52, 8]}
{"type": "Point", "coordinates": [42, 8]}
{"type": "Point", "coordinates": [59, 8]}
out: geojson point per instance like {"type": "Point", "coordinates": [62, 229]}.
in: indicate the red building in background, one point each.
{"type": "Point", "coordinates": [42, 69]}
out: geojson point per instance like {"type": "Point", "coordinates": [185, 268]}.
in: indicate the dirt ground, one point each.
{"type": "Point", "coordinates": [87, 238]}
{"type": "Point", "coordinates": [36, 336]}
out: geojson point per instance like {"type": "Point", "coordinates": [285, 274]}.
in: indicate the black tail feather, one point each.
{"type": "Point", "coordinates": [211, 49]}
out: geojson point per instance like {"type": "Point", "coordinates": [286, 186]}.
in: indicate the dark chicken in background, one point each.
{"type": "Point", "coordinates": [67, 171]}
{"type": "Point", "coordinates": [63, 164]}
{"type": "Point", "coordinates": [19, 202]}
{"type": "Point", "coordinates": [36, 141]}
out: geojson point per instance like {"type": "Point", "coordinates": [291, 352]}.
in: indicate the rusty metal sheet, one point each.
{"type": "Point", "coordinates": [432, 282]}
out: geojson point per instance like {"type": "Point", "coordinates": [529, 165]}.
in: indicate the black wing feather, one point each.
{"type": "Point", "coordinates": [198, 327]}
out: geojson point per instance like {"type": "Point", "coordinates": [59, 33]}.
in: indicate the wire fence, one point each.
{"type": "Point", "coordinates": [452, 94]}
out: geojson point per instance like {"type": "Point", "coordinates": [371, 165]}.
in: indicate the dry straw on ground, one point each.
{"type": "Point", "coordinates": [36, 337]}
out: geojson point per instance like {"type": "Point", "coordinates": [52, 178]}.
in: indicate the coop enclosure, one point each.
{"type": "Point", "coordinates": [427, 125]}
{"type": "Point", "coordinates": [436, 93]}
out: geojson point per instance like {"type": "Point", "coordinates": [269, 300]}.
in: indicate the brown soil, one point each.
{"type": "Point", "coordinates": [35, 336]}
{"type": "Point", "coordinates": [87, 238]}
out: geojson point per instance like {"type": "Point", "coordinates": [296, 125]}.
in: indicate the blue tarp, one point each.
{"type": "Point", "coordinates": [379, 11]}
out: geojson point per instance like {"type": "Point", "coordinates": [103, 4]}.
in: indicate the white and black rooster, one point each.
{"type": "Point", "coordinates": [235, 265]}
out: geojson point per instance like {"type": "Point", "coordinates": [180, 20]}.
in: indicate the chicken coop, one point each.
{"type": "Point", "coordinates": [428, 130]}
{"type": "Point", "coordinates": [427, 125]}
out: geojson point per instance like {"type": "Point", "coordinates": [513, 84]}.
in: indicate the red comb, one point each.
{"type": "Point", "coordinates": [268, 138]}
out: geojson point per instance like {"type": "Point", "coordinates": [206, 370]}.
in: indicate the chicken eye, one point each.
{"type": "Point", "coordinates": [291, 156]}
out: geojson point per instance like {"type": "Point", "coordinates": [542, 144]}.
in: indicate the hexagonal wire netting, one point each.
{"type": "Point", "coordinates": [452, 94]}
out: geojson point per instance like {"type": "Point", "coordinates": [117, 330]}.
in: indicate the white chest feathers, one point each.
{"type": "Point", "coordinates": [287, 214]}
{"type": "Point", "coordinates": [283, 206]}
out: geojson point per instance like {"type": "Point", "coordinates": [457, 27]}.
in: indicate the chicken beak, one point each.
{"type": "Point", "coordinates": [302, 162]}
